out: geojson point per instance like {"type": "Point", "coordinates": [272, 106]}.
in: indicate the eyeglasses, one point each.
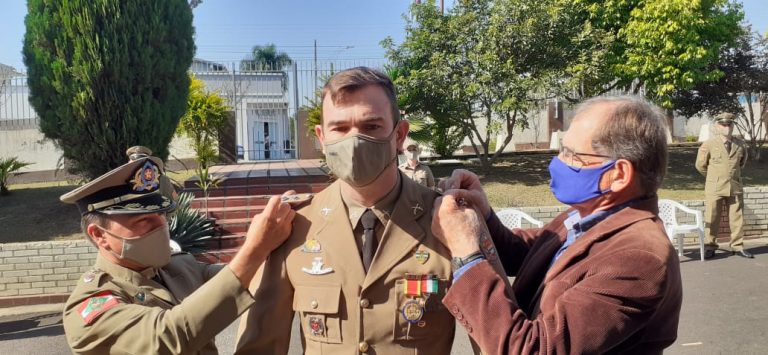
{"type": "Point", "coordinates": [573, 158]}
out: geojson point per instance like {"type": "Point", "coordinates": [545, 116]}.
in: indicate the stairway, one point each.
{"type": "Point", "coordinates": [244, 193]}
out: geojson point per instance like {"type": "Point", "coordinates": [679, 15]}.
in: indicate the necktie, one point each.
{"type": "Point", "coordinates": [728, 146]}
{"type": "Point", "coordinates": [369, 219]}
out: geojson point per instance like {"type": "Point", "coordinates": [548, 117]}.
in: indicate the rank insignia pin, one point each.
{"type": "Point", "coordinates": [141, 296]}
{"type": "Point", "coordinates": [416, 209]}
{"type": "Point", "coordinates": [317, 267]}
{"type": "Point", "coordinates": [311, 246]}
{"type": "Point", "coordinates": [421, 256]}
{"type": "Point", "coordinates": [88, 277]}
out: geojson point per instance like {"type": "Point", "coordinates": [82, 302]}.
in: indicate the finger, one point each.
{"type": "Point", "coordinates": [271, 209]}
{"type": "Point", "coordinates": [289, 192]}
{"type": "Point", "coordinates": [283, 209]}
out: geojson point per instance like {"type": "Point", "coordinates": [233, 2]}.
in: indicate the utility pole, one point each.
{"type": "Point", "coordinates": [315, 62]}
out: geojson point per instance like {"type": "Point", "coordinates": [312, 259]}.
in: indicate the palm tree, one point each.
{"type": "Point", "coordinates": [265, 58]}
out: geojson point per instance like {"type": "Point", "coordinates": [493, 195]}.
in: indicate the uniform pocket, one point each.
{"type": "Point", "coordinates": [434, 319]}
{"type": "Point", "coordinates": [318, 308]}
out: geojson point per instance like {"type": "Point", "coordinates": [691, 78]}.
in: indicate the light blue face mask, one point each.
{"type": "Point", "coordinates": [572, 185]}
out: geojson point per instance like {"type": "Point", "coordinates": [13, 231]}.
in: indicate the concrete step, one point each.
{"type": "Point", "coordinates": [221, 256]}
{"type": "Point", "coordinates": [233, 225]}
{"type": "Point", "coordinates": [233, 212]}
{"type": "Point", "coordinates": [262, 189]}
{"type": "Point", "coordinates": [226, 242]}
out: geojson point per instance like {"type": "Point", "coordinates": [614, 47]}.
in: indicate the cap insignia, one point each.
{"type": "Point", "coordinates": [146, 178]}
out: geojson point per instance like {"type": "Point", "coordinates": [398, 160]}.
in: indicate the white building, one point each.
{"type": "Point", "coordinates": [260, 102]}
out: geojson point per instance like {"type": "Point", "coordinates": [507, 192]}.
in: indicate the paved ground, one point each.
{"type": "Point", "coordinates": [725, 311]}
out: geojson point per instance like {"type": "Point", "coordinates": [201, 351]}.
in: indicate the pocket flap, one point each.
{"type": "Point", "coordinates": [317, 299]}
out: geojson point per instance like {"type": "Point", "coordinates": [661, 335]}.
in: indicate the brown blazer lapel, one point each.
{"type": "Point", "coordinates": [335, 233]}
{"type": "Point", "coordinates": [402, 233]}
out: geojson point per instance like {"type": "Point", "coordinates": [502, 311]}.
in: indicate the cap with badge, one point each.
{"type": "Point", "coordinates": [133, 188]}
{"type": "Point", "coordinates": [725, 119]}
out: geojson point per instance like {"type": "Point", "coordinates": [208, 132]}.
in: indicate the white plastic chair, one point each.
{"type": "Point", "coordinates": [668, 214]}
{"type": "Point", "coordinates": [512, 218]}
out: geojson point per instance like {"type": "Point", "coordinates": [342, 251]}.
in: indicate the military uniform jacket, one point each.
{"type": "Point", "coordinates": [115, 310]}
{"type": "Point", "coordinates": [722, 169]}
{"type": "Point", "coordinates": [346, 311]}
{"type": "Point", "coordinates": [422, 174]}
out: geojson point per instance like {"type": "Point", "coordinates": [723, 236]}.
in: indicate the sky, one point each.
{"type": "Point", "coordinates": [226, 30]}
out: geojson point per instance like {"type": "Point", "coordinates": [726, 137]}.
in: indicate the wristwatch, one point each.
{"type": "Point", "coordinates": [457, 263]}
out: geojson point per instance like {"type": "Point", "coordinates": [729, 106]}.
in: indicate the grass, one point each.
{"type": "Point", "coordinates": [33, 212]}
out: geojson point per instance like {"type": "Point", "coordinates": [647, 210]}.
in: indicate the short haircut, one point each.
{"type": "Point", "coordinates": [636, 131]}
{"type": "Point", "coordinates": [350, 80]}
{"type": "Point", "coordinates": [96, 218]}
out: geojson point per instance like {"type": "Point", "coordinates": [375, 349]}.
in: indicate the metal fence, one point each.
{"type": "Point", "coordinates": [15, 110]}
{"type": "Point", "coordinates": [265, 100]}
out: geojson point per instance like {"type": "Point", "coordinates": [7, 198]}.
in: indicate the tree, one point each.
{"type": "Point", "coordinates": [655, 46]}
{"type": "Point", "coordinates": [265, 58]}
{"type": "Point", "coordinates": [105, 75]}
{"type": "Point", "coordinates": [206, 115]}
{"type": "Point", "coordinates": [482, 66]}
{"type": "Point", "coordinates": [744, 83]}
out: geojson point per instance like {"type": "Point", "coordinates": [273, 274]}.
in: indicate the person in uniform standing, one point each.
{"type": "Point", "coordinates": [720, 160]}
{"type": "Point", "coordinates": [138, 298]}
{"type": "Point", "coordinates": [414, 169]}
{"type": "Point", "coordinates": [361, 266]}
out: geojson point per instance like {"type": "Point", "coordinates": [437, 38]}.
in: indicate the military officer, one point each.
{"type": "Point", "coordinates": [138, 299]}
{"type": "Point", "coordinates": [414, 169]}
{"type": "Point", "coordinates": [720, 160]}
{"type": "Point", "coordinates": [361, 266]}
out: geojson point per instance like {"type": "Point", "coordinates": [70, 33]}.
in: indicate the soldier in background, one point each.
{"type": "Point", "coordinates": [140, 299]}
{"type": "Point", "coordinates": [720, 160]}
{"type": "Point", "coordinates": [413, 169]}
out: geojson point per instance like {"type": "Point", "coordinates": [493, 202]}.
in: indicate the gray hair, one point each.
{"type": "Point", "coordinates": [635, 131]}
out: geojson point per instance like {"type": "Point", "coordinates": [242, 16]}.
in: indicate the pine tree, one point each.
{"type": "Point", "coordinates": [105, 75]}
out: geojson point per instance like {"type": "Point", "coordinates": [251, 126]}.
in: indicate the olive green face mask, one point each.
{"type": "Point", "coordinates": [151, 250]}
{"type": "Point", "coordinates": [359, 159]}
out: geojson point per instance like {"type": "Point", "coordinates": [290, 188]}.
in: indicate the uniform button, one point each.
{"type": "Point", "coordinates": [313, 304]}
{"type": "Point", "coordinates": [364, 303]}
{"type": "Point", "coordinates": [459, 316]}
{"type": "Point", "coordinates": [363, 347]}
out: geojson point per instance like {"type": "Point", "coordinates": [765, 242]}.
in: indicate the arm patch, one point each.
{"type": "Point", "coordinates": [94, 306]}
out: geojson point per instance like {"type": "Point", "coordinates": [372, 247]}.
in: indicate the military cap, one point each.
{"type": "Point", "coordinates": [138, 151]}
{"type": "Point", "coordinates": [133, 188]}
{"type": "Point", "coordinates": [725, 118]}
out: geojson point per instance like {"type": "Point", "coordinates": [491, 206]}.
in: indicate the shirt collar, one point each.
{"type": "Point", "coordinates": [581, 225]}
{"type": "Point", "coordinates": [382, 209]}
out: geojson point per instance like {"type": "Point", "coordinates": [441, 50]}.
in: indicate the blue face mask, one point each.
{"type": "Point", "coordinates": [573, 185]}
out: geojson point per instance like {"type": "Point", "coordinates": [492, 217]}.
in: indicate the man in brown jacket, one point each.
{"type": "Point", "coordinates": [361, 268]}
{"type": "Point", "coordinates": [720, 160]}
{"type": "Point", "coordinates": [601, 277]}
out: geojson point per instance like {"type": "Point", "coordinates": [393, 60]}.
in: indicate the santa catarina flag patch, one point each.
{"type": "Point", "coordinates": [96, 305]}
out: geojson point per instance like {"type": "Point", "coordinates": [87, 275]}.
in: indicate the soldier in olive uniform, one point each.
{"type": "Point", "coordinates": [414, 169]}
{"type": "Point", "coordinates": [138, 298]}
{"type": "Point", "coordinates": [720, 160]}
{"type": "Point", "coordinates": [361, 267]}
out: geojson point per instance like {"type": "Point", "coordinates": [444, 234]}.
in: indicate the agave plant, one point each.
{"type": "Point", "coordinates": [189, 227]}
{"type": "Point", "coordinates": [8, 166]}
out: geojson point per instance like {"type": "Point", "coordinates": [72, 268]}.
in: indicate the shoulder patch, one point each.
{"type": "Point", "coordinates": [94, 306]}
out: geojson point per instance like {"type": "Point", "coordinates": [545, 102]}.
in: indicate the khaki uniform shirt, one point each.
{"type": "Point", "coordinates": [722, 169]}
{"type": "Point", "coordinates": [422, 174]}
{"type": "Point", "coordinates": [318, 273]}
{"type": "Point", "coordinates": [115, 310]}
